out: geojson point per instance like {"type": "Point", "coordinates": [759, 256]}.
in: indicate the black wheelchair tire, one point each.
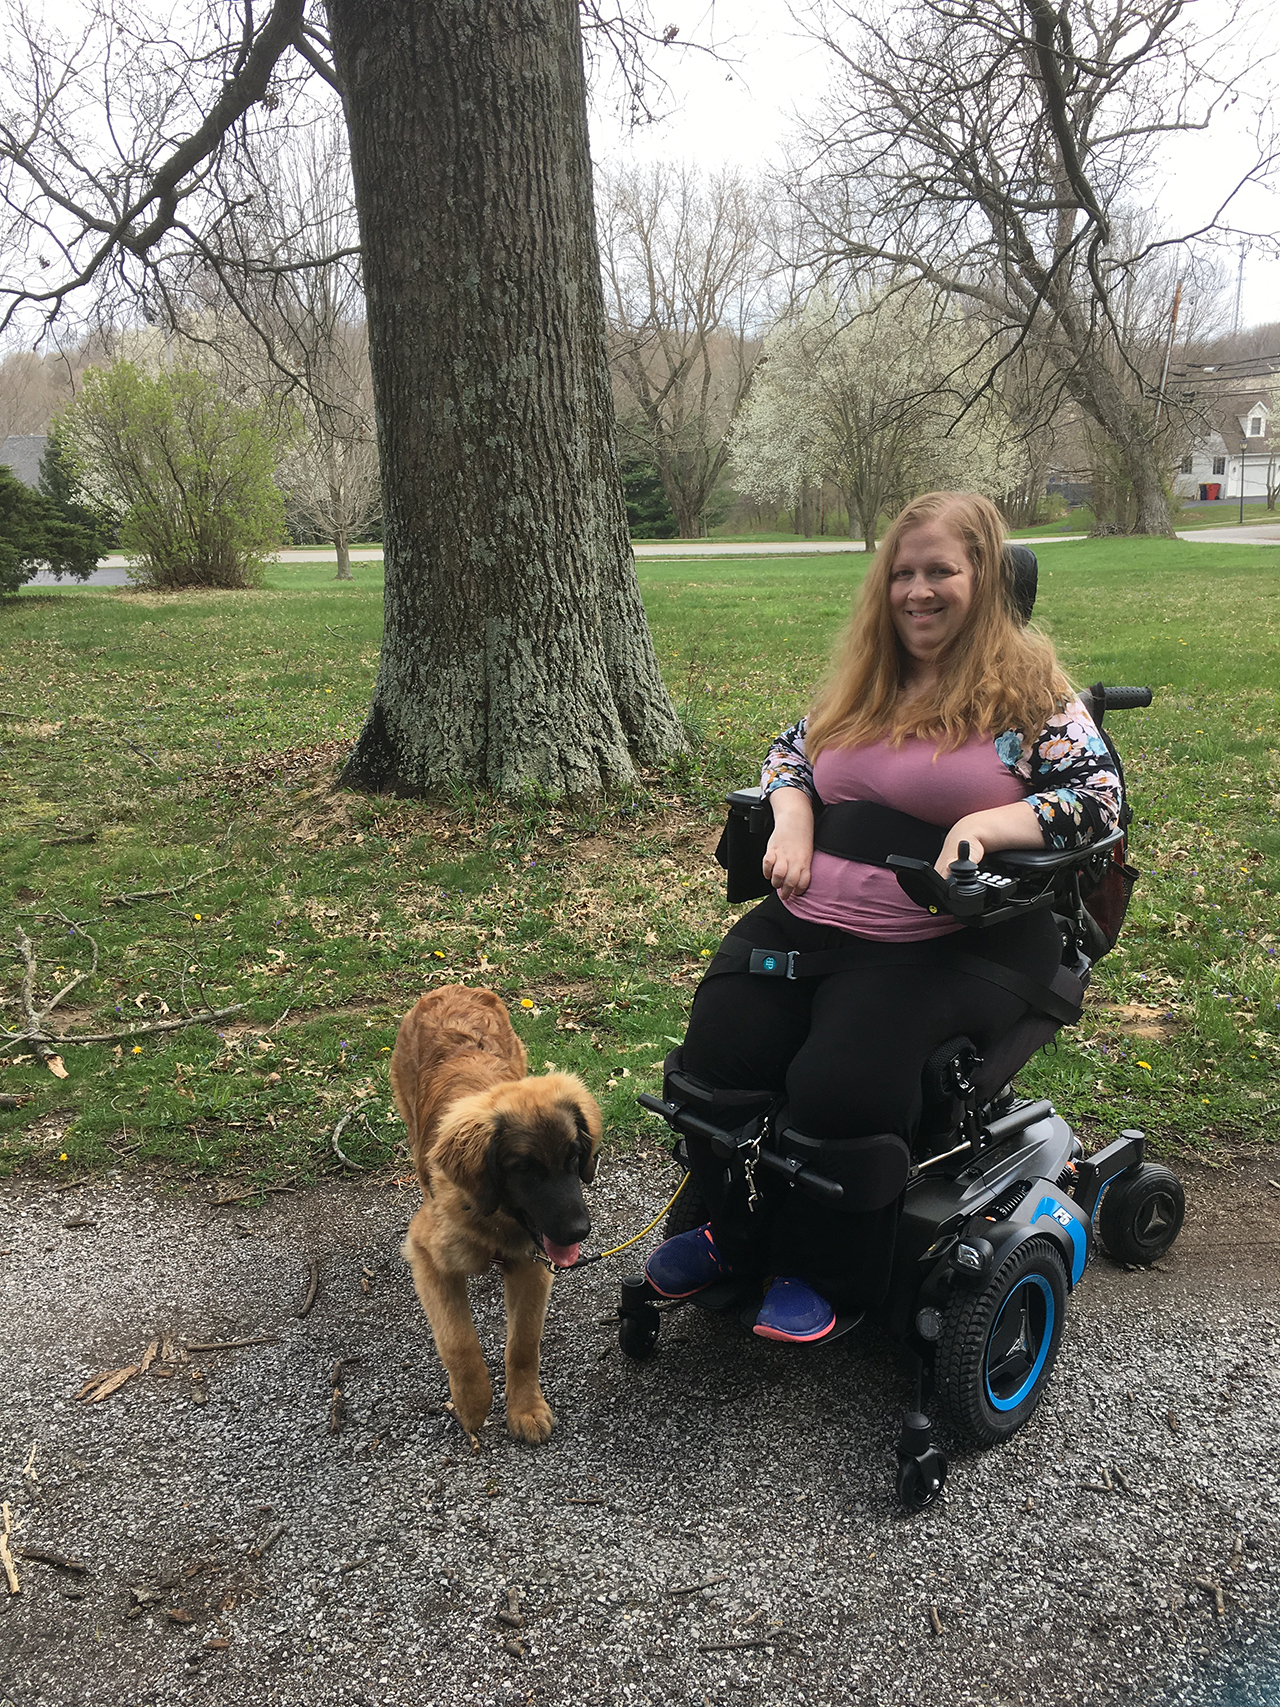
{"type": "Point", "coordinates": [1141, 1214]}
{"type": "Point", "coordinates": [687, 1212]}
{"type": "Point", "coordinates": [1033, 1282]}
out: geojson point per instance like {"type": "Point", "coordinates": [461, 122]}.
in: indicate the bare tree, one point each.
{"type": "Point", "coordinates": [294, 328]}
{"type": "Point", "coordinates": [990, 148]}
{"type": "Point", "coordinates": [686, 267]}
{"type": "Point", "coordinates": [515, 649]}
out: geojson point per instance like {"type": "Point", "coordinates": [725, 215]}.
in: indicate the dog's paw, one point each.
{"type": "Point", "coordinates": [471, 1402]}
{"type": "Point", "coordinates": [532, 1423]}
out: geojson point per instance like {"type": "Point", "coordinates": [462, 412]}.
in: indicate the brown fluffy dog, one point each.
{"type": "Point", "coordinates": [501, 1159]}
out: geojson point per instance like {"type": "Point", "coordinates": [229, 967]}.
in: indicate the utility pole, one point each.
{"type": "Point", "coordinates": [1168, 348]}
{"type": "Point", "coordinates": [1235, 323]}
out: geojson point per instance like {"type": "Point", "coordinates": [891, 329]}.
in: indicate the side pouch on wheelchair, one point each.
{"type": "Point", "coordinates": [742, 845]}
{"type": "Point", "coordinates": [871, 1170]}
{"type": "Point", "coordinates": [1105, 906]}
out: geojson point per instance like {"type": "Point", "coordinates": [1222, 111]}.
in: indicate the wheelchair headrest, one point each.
{"type": "Point", "coordinates": [1024, 573]}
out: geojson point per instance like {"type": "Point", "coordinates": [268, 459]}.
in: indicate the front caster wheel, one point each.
{"type": "Point", "coordinates": [638, 1334]}
{"type": "Point", "coordinates": [1141, 1214]}
{"type": "Point", "coordinates": [921, 1480]}
{"type": "Point", "coordinates": [638, 1319]}
{"type": "Point", "coordinates": [922, 1469]}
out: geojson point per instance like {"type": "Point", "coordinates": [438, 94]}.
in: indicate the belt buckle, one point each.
{"type": "Point", "coordinates": [774, 962]}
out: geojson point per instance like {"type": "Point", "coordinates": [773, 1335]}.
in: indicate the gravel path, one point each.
{"type": "Point", "coordinates": [237, 1550]}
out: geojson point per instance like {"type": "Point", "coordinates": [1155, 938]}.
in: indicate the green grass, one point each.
{"type": "Point", "coordinates": [1225, 514]}
{"type": "Point", "coordinates": [192, 731]}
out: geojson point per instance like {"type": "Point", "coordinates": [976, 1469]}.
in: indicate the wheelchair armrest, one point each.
{"type": "Point", "coordinates": [1031, 863]}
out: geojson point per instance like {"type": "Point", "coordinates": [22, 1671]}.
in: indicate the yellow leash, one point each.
{"type": "Point", "coordinates": [582, 1262]}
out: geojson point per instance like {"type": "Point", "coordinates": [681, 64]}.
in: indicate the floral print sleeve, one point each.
{"type": "Point", "coordinates": [1075, 787]}
{"type": "Point", "coordinates": [786, 765]}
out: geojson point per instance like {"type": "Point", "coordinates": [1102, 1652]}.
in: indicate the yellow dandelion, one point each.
{"type": "Point", "coordinates": [525, 1002]}
{"type": "Point", "coordinates": [63, 1156]}
{"type": "Point", "coordinates": [197, 917]}
{"type": "Point", "coordinates": [137, 1049]}
{"type": "Point", "coordinates": [438, 952]}
{"type": "Point", "coordinates": [1145, 1064]}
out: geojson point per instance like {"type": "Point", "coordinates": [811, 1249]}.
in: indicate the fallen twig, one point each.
{"type": "Point", "coordinates": [46, 1043]}
{"type": "Point", "coordinates": [591, 1499]}
{"type": "Point", "coordinates": [11, 1099]}
{"type": "Point", "coordinates": [338, 1130]}
{"type": "Point", "coordinates": [6, 1557]}
{"type": "Point", "coordinates": [254, 1191]}
{"type": "Point", "coordinates": [692, 1588]}
{"type": "Point", "coordinates": [110, 1381]}
{"type": "Point", "coordinates": [313, 1286]}
{"type": "Point", "coordinates": [511, 1617]}
{"type": "Point", "coordinates": [936, 1620]}
{"type": "Point", "coordinates": [1237, 1553]}
{"type": "Point", "coordinates": [139, 750]}
{"type": "Point", "coordinates": [746, 1642]}
{"type": "Point", "coordinates": [1215, 1589]}
{"type": "Point", "coordinates": [143, 1030]}
{"type": "Point", "coordinates": [130, 896]}
{"type": "Point", "coordinates": [233, 1345]}
{"type": "Point", "coordinates": [337, 1401]}
{"type": "Point", "coordinates": [46, 1556]}
{"type": "Point", "coordinates": [259, 1549]}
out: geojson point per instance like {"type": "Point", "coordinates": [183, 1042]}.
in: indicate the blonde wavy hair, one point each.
{"type": "Point", "coordinates": [997, 673]}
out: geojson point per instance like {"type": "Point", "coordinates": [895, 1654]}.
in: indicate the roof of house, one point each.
{"type": "Point", "coordinates": [22, 452]}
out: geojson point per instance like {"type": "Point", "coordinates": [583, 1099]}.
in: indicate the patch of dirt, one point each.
{"type": "Point", "coordinates": [1137, 1021]}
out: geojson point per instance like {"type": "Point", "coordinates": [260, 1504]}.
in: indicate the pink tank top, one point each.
{"type": "Point", "coordinates": [914, 778]}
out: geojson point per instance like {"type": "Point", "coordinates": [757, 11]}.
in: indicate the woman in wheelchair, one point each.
{"type": "Point", "coordinates": [948, 721]}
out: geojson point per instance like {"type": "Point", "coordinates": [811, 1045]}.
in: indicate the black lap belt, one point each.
{"type": "Point", "coordinates": [1061, 998]}
{"type": "Point", "coordinates": [863, 831]}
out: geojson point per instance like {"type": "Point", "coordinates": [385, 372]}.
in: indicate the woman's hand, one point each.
{"type": "Point", "coordinates": [788, 859]}
{"type": "Point", "coordinates": [1002, 827]}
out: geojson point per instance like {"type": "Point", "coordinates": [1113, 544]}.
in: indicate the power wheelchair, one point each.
{"type": "Point", "coordinates": [1001, 1210]}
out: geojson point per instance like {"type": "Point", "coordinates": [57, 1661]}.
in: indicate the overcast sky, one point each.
{"type": "Point", "coordinates": [742, 110]}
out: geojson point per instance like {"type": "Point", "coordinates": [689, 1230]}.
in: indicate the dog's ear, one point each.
{"type": "Point", "coordinates": [468, 1151]}
{"type": "Point", "coordinates": [587, 1118]}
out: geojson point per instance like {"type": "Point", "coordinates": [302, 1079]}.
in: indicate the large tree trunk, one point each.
{"type": "Point", "coordinates": [1095, 388]}
{"type": "Point", "coordinates": [515, 650]}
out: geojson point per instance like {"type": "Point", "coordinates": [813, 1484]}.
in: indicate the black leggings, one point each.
{"type": "Point", "coordinates": [848, 1052]}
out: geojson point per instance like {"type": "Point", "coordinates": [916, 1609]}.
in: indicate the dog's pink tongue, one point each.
{"type": "Point", "coordinates": [563, 1256]}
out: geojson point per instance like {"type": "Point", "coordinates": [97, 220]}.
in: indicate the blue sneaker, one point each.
{"type": "Point", "coordinates": [686, 1264]}
{"type": "Point", "coordinates": [794, 1312]}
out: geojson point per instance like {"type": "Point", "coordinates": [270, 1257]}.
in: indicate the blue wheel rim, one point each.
{"type": "Point", "coordinates": [1019, 1342]}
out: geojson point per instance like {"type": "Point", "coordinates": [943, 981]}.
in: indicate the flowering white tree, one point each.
{"type": "Point", "coordinates": [880, 398]}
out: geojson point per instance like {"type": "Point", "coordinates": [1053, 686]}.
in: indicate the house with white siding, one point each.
{"type": "Point", "coordinates": [1242, 446]}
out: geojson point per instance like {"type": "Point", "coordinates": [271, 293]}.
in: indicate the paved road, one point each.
{"type": "Point", "coordinates": [112, 571]}
{"type": "Point", "coordinates": [369, 1567]}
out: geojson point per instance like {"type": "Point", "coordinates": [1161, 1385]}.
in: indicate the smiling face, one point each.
{"type": "Point", "coordinates": [930, 590]}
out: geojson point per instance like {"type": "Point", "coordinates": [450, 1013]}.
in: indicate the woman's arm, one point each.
{"type": "Point", "coordinates": [1000, 827]}
{"type": "Point", "coordinates": [1074, 796]}
{"type": "Point", "coordinates": [1073, 786]}
{"type": "Point", "coordinates": [788, 859]}
{"type": "Point", "coordinates": [786, 781]}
